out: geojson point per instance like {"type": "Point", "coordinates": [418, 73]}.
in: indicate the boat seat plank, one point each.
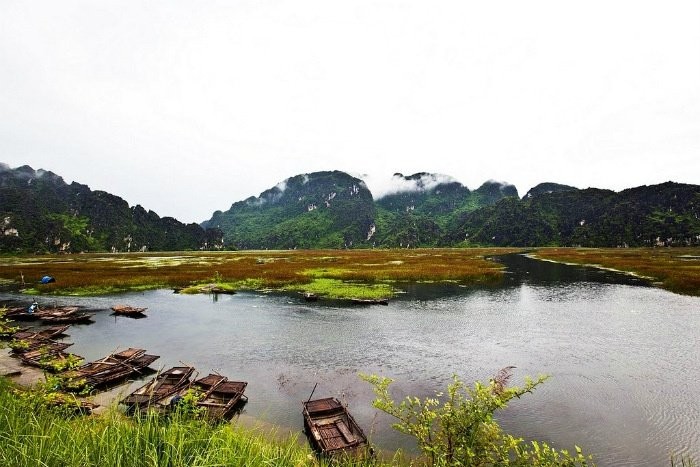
{"type": "Point", "coordinates": [345, 431]}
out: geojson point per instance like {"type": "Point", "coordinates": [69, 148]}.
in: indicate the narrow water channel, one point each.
{"type": "Point", "coordinates": [623, 357]}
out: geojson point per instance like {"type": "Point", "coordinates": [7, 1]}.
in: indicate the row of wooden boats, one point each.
{"type": "Point", "coordinates": [67, 314]}
{"type": "Point", "coordinates": [55, 315]}
{"type": "Point", "coordinates": [329, 426]}
{"type": "Point", "coordinates": [37, 348]}
{"type": "Point", "coordinates": [215, 394]}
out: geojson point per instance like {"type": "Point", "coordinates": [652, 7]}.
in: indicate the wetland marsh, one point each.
{"type": "Point", "coordinates": [622, 354]}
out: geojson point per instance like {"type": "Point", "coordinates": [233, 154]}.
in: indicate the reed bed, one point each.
{"type": "Point", "coordinates": [31, 436]}
{"type": "Point", "coordinates": [674, 269]}
{"type": "Point", "coordinates": [94, 274]}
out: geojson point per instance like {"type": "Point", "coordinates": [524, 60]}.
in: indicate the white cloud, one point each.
{"type": "Point", "coordinates": [383, 186]}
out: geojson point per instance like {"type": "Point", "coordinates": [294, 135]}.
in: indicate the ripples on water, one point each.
{"type": "Point", "coordinates": [623, 358]}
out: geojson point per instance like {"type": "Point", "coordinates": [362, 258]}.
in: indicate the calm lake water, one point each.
{"type": "Point", "coordinates": [624, 357]}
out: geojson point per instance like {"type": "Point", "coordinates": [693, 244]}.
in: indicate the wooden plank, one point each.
{"type": "Point", "coordinates": [345, 431]}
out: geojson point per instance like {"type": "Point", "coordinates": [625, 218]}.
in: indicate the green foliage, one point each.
{"type": "Point", "coordinates": [41, 213]}
{"type": "Point", "coordinates": [661, 215]}
{"type": "Point", "coordinates": [7, 328]}
{"type": "Point", "coordinates": [319, 210]}
{"type": "Point", "coordinates": [458, 428]}
{"type": "Point", "coordinates": [18, 345]}
{"type": "Point", "coordinates": [59, 363]}
{"type": "Point", "coordinates": [187, 406]}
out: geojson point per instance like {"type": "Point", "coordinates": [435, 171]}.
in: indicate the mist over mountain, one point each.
{"type": "Point", "coordinates": [332, 209]}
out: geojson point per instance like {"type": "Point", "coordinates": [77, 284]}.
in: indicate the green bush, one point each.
{"type": "Point", "coordinates": [458, 428]}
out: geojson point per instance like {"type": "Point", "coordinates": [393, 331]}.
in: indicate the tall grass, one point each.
{"type": "Point", "coordinates": [32, 436]}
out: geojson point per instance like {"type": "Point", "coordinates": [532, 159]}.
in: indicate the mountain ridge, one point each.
{"type": "Point", "coordinates": [40, 212]}
{"type": "Point", "coordinates": [333, 209]}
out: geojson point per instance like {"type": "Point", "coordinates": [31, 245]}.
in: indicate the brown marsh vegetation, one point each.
{"type": "Point", "coordinates": [332, 273]}
{"type": "Point", "coordinates": [674, 269]}
{"type": "Point", "coordinates": [329, 273]}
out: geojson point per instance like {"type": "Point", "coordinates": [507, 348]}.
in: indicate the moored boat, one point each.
{"type": "Point", "coordinates": [331, 429]}
{"type": "Point", "coordinates": [163, 385]}
{"type": "Point", "coordinates": [369, 301]}
{"type": "Point", "coordinates": [217, 396]}
{"type": "Point", "coordinates": [127, 310]}
{"type": "Point", "coordinates": [113, 368]}
{"type": "Point", "coordinates": [48, 333]}
{"type": "Point", "coordinates": [69, 318]}
{"type": "Point", "coordinates": [221, 398]}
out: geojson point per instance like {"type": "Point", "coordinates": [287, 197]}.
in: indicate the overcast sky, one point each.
{"type": "Point", "coordinates": [185, 107]}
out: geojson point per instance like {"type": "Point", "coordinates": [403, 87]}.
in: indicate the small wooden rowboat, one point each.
{"type": "Point", "coordinates": [163, 385]}
{"type": "Point", "coordinates": [331, 429]}
{"type": "Point", "coordinates": [21, 314]}
{"type": "Point", "coordinates": [127, 310]}
{"type": "Point", "coordinates": [48, 333]}
{"type": "Point", "coordinates": [71, 318]}
{"type": "Point", "coordinates": [113, 368]}
{"type": "Point", "coordinates": [219, 396]}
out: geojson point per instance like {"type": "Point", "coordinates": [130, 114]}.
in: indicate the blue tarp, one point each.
{"type": "Point", "coordinates": [47, 279]}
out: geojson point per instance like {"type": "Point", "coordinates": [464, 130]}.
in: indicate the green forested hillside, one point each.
{"type": "Point", "coordinates": [429, 210]}
{"type": "Point", "coordinates": [39, 212]}
{"type": "Point", "coordinates": [667, 214]}
{"type": "Point", "coordinates": [319, 210]}
{"type": "Point", "coordinates": [425, 215]}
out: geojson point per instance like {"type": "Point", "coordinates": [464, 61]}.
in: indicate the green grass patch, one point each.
{"type": "Point", "coordinates": [209, 287]}
{"type": "Point", "coordinates": [93, 290]}
{"type": "Point", "coordinates": [325, 272]}
{"type": "Point", "coordinates": [337, 289]}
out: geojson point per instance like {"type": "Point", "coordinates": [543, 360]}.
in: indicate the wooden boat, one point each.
{"type": "Point", "coordinates": [78, 406]}
{"type": "Point", "coordinates": [331, 429]}
{"type": "Point", "coordinates": [367, 301]}
{"type": "Point", "coordinates": [113, 368]}
{"type": "Point", "coordinates": [163, 385]}
{"type": "Point", "coordinates": [310, 297]}
{"type": "Point", "coordinates": [39, 344]}
{"type": "Point", "coordinates": [48, 333]}
{"type": "Point", "coordinates": [49, 360]}
{"type": "Point", "coordinates": [219, 395]}
{"type": "Point", "coordinates": [127, 310]}
{"type": "Point", "coordinates": [24, 315]}
{"type": "Point", "coordinates": [72, 318]}
{"type": "Point", "coordinates": [222, 397]}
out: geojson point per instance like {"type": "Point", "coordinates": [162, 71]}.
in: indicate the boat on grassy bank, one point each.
{"type": "Point", "coordinates": [163, 385]}
{"type": "Point", "coordinates": [113, 368]}
{"type": "Point", "coordinates": [48, 333]}
{"type": "Point", "coordinates": [214, 394]}
{"type": "Point", "coordinates": [331, 429]}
